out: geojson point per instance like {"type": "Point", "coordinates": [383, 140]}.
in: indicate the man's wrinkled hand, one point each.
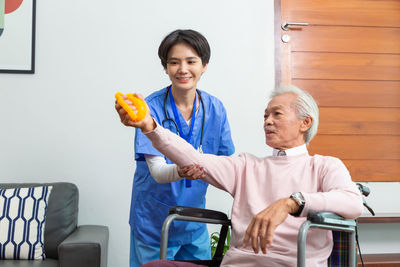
{"type": "Point", "coordinates": [146, 125]}
{"type": "Point", "coordinates": [262, 227]}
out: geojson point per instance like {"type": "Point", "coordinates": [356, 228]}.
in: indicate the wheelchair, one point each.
{"type": "Point", "coordinates": [343, 230]}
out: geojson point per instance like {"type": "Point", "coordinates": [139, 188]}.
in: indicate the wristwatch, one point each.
{"type": "Point", "coordinates": [298, 197]}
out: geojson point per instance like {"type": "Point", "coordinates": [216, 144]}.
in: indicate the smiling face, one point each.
{"type": "Point", "coordinates": [283, 129]}
{"type": "Point", "coordinates": [184, 67]}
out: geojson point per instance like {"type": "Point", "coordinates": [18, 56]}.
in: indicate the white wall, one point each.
{"type": "Point", "coordinates": [60, 125]}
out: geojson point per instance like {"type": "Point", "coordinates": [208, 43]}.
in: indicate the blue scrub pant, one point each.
{"type": "Point", "coordinates": [141, 253]}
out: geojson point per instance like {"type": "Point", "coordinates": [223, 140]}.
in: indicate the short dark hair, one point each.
{"type": "Point", "coordinates": [190, 37]}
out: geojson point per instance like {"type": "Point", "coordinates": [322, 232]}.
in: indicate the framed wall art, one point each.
{"type": "Point", "coordinates": [17, 36]}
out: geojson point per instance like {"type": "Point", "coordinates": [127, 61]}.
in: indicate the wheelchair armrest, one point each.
{"type": "Point", "coordinates": [199, 213]}
{"type": "Point", "coordinates": [329, 218]}
{"type": "Point", "coordinates": [195, 215]}
{"type": "Point", "coordinates": [327, 221]}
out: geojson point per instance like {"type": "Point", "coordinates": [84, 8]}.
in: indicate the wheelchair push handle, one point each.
{"type": "Point", "coordinates": [365, 191]}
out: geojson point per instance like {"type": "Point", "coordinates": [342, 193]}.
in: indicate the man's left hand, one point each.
{"type": "Point", "coordinates": [262, 227]}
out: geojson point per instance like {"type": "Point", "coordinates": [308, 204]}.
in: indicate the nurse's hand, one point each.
{"type": "Point", "coordinates": [146, 125]}
{"type": "Point", "coordinates": [262, 227]}
{"type": "Point", "coordinates": [192, 172]}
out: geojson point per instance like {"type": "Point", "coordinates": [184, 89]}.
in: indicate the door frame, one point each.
{"type": "Point", "coordinates": [277, 42]}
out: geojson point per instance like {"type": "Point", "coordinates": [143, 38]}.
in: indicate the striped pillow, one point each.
{"type": "Point", "coordinates": [22, 219]}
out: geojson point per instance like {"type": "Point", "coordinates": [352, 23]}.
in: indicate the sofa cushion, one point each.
{"type": "Point", "coordinates": [62, 213]}
{"type": "Point", "coordinates": [22, 220]}
{"type": "Point", "coordinates": [28, 263]}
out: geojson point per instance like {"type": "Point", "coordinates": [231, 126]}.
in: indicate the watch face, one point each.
{"type": "Point", "coordinates": [298, 197]}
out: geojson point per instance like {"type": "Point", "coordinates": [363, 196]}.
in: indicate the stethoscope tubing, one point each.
{"type": "Point", "coordinates": [168, 118]}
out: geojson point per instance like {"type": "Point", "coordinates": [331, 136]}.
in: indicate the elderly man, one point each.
{"type": "Point", "coordinates": [272, 195]}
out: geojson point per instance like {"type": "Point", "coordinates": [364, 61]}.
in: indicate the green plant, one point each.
{"type": "Point", "coordinates": [214, 242]}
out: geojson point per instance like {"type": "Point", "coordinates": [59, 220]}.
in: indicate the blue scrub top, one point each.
{"type": "Point", "coordinates": [151, 201]}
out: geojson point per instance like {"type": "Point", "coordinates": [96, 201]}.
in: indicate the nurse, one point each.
{"type": "Point", "coordinates": [201, 120]}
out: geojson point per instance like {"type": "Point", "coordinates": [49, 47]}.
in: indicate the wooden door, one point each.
{"type": "Point", "coordinates": [348, 58]}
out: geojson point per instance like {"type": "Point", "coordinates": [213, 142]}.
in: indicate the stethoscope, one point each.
{"type": "Point", "coordinates": [168, 118]}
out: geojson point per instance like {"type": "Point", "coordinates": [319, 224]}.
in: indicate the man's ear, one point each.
{"type": "Point", "coordinates": [306, 124]}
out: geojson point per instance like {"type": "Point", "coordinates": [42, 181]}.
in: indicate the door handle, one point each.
{"type": "Point", "coordinates": [286, 25]}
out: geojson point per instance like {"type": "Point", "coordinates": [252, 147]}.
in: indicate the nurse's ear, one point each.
{"type": "Point", "coordinates": [204, 68]}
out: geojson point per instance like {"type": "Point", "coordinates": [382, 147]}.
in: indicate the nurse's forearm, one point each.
{"type": "Point", "coordinates": [161, 171]}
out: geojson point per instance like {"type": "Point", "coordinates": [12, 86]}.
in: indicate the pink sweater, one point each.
{"type": "Point", "coordinates": [255, 183]}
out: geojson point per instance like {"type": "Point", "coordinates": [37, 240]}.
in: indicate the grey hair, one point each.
{"type": "Point", "coordinates": [305, 106]}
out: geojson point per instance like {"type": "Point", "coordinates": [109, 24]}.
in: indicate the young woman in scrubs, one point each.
{"type": "Point", "coordinates": [199, 118]}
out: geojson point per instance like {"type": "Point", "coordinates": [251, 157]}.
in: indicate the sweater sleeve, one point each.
{"type": "Point", "coordinates": [221, 171]}
{"type": "Point", "coordinates": [337, 192]}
